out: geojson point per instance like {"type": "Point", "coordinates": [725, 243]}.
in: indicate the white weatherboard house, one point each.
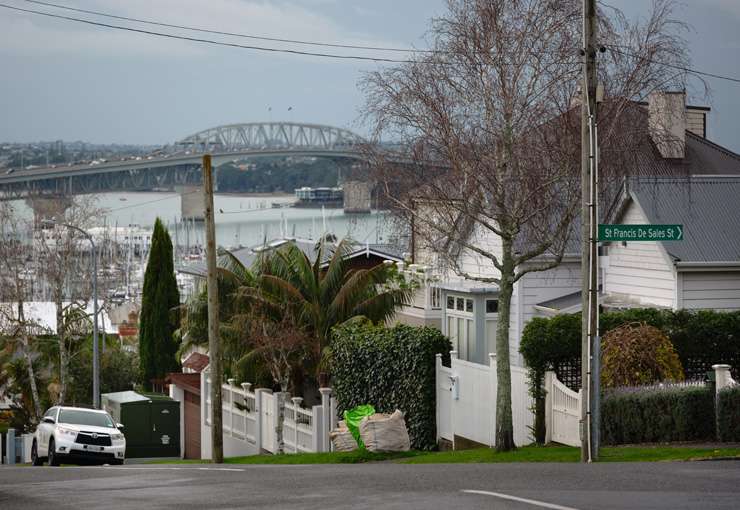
{"type": "Point", "coordinates": [699, 187]}
{"type": "Point", "coordinates": [700, 272]}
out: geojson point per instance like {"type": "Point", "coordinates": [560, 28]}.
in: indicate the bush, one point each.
{"type": "Point", "coordinates": [390, 368]}
{"type": "Point", "coordinates": [728, 411]}
{"type": "Point", "coordinates": [657, 415]}
{"type": "Point", "coordinates": [700, 338]}
{"type": "Point", "coordinates": [635, 354]}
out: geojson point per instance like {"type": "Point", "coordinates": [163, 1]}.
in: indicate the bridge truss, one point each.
{"type": "Point", "coordinates": [261, 136]}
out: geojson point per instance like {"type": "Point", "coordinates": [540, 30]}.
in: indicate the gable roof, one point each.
{"type": "Point", "coordinates": [707, 206]}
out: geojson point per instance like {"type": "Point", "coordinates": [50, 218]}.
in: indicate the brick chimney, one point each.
{"type": "Point", "coordinates": [667, 122]}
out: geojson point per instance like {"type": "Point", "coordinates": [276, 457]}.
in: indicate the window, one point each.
{"type": "Point", "coordinates": [90, 418]}
{"type": "Point", "coordinates": [450, 303]}
{"type": "Point", "coordinates": [461, 304]}
{"type": "Point", "coordinates": [51, 413]}
{"type": "Point", "coordinates": [491, 305]}
{"type": "Point", "coordinates": [469, 305]}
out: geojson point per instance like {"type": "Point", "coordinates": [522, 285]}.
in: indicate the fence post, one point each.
{"type": "Point", "coordinates": [722, 379]}
{"type": "Point", "coordinates": [493, 381]}
{"type": "Point", "coordinates": [296, 405]}
{"type": "Point", "coordinates": [549, 376]}
{"type": "Point", "coordinates": [326, 417]}
{"type": "Point", "coordinates": [316, 428]}
{"type": "Point", "coordinates": [437, 386]}
{"type": "Point", "coordinates": [245, 386]}
{"type": "Point", "coordinates": [258, 417]}
{"type": "Point", "coordinates": [10, 446]}
{"type": "Point", "coordinates": [231, 382]}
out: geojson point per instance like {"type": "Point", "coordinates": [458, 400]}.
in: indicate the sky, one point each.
{"type": "Point", "coordinates": [64, 80]}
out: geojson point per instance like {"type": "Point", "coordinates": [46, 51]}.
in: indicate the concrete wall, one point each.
{"type": "Point", "coordinates": [177, 393]}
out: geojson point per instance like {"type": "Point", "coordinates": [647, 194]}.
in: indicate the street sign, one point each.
{"type": "Point", "coordinates": [640, 232]}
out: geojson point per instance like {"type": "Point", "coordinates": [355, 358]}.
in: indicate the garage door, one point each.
{"type": "Point", "coordinates": [192, 425]}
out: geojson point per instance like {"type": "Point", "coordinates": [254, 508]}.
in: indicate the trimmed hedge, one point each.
{"type": "Point", "coordinates": [701, 338]}
{"type": "Point", "coordinates": [728, 407]}
{"type": "Point", "coordinates": [658, 415]}
{"type": "Point", "coordinates": [390, 368]}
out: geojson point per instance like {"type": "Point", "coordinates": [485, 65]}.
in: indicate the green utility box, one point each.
{"type": "Point", "coordinates": [151, 422]}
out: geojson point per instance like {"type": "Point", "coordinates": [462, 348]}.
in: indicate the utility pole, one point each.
{"type": "Point", "coordinates": [214, 346]}
{"type": "Point", "coordinates": [589, 194]}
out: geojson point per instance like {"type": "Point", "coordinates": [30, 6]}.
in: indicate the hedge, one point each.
{"type": "Point", "coordinates": [701, 338]}
{"type": "Point", "coordinates": [728, 409]}
{"type": "Point", "coordinates": [390, 368]}
{"type": "Point", "coordinates": [658, 415]}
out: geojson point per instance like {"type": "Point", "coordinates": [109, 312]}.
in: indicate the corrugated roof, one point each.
{"type": "Point", "coordinates": [707, 206]}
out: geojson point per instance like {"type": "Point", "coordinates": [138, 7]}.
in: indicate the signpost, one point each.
{"type": "Point", "coordinates": [640, 233]}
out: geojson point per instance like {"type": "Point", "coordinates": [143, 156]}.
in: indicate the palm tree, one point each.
{"type": "Point", "coordinates": [318, 294]}
{"type": "Point", "coordinates": [323, 297]}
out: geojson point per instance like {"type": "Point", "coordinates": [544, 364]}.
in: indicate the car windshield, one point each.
{"type": "Point", "coordinates": [78, 417]}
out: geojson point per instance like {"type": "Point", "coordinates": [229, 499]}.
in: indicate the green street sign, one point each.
{"type": "Point", "coordinates": [640, 232]}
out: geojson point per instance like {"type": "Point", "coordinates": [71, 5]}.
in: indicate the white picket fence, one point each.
{"type": "Point", "coordinates": [562, 412]}
{"type": "Point", "coordinates": [466, 402]}
{"type": "Point", "coordinates": [250, 417]}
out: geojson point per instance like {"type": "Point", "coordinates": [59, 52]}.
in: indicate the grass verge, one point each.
{"type": "Point", "coordinates": [488, 455]}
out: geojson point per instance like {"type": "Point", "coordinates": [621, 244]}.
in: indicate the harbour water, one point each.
{"type": "Point", "coordinates": [241, 220]}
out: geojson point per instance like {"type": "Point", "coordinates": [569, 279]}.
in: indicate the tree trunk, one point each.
{"type": "Point", "coordinates": [504, 422]}
{"type": "Point", "coordinates": [280, 419]}
{"type": "Point", "coordinates": [61, 340]}
{"type": "Point", "coordinates": [29, 363]}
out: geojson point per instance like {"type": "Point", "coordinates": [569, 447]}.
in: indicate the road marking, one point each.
{"type": "Point", "coordinates": [534, 502]}
{"type": "Point", "coordinates": [131, 468]}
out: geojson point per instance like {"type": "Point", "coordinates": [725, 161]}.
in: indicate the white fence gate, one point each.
{"type": "Point", "coordinates": [562, 412]}
{"type": "Point", "coordinates": [466, 402]}
{"type": "Point", "coordinates": [249, 421]}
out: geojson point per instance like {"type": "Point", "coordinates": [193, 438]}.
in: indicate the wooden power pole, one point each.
{"type": "Point", "coordinates": [214, 345]}
{"type": "Point", "coordinates": [589, 227]}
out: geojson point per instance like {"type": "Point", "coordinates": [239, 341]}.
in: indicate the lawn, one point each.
{"type": "Point", "coordinates": [487, 455]}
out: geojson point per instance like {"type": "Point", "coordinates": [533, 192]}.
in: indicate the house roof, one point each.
{"type": "Point", "coordinates": [196, 362]}
{"type": "Point", "coordinates": [190, 382]}
{"type": "Point", "coordinates": [248, 256]}
{"type": "Point", "coordinates": [707, 206]}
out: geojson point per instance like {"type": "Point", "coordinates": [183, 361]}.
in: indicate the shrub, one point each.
{"type": "Point", "coordinates": [390, 368]}
{"type": "Point", "coordinates": [657, 415]}
{"type": "Point", "coordinates": [635, 354]}
{"type": "Point", "coordinates": [728, 414]}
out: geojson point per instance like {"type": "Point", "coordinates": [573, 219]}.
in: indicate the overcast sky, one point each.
{"type": "Point", "coordinates": [63, 80]}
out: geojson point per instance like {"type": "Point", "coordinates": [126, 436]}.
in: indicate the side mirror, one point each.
{"type": "Point", "coordinates": [119, 426]}
{"type": "Point", "coordinates": [48, 419]}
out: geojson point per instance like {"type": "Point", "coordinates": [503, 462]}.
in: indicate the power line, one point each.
{"type": "Point", "coordinates": [205, 41]}
{"type": "Point", "coordinates": [675, 66]}
{"type": "Point", "coordinates": [233, 34]}
{"type": "Point", "coordinates": [241, 46]}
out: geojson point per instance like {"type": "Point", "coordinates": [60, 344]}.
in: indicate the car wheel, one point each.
{"type": "Point", "coordinates": [35, 459]}
{"type": "Point", "coordinates": [53, 459]}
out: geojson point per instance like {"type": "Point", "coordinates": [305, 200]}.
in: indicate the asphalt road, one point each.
{"type": "Point", "coordinates": [665, 485]}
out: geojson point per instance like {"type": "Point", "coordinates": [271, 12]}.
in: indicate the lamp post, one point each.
{"type": "Point", "coordinates": [96, 355]}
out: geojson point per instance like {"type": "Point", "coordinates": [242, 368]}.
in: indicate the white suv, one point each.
{"type": "Point", "coordinates": [77, 435]}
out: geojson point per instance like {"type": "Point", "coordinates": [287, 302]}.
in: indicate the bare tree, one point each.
{"type": "Point", "coordinates": [491, 139]}
{"type": "Point", "coordinates": [15, 254]}
{"type": "Point", "coordinates": [62, 254]}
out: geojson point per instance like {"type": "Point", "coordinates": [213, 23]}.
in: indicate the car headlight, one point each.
{"type": "Point", "coordinates": [117, 437]}
{"type": "Point", "coordinates": [67, 432]}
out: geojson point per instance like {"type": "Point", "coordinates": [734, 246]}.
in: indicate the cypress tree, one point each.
{"type": "Point", "coordinates": [159, 316]}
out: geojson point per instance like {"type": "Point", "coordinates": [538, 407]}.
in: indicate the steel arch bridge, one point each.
{"type": "Point", "coordinates": [178, 164]}
{"type": "Point", "coordinates": [260, 136]}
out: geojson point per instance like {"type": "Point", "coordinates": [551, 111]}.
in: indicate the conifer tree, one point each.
{"type": "Point", "coordinates": [159, 316]}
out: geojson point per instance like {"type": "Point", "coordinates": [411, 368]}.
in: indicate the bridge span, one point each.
{"type": "Point", "coordinates": [179, 164]}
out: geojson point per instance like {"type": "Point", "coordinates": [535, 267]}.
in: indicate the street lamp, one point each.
{"type": "Point", "coordinates": [96, 355]}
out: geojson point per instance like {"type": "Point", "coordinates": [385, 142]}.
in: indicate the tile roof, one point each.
{"type": "Point", "coordinates": [196, 362]}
